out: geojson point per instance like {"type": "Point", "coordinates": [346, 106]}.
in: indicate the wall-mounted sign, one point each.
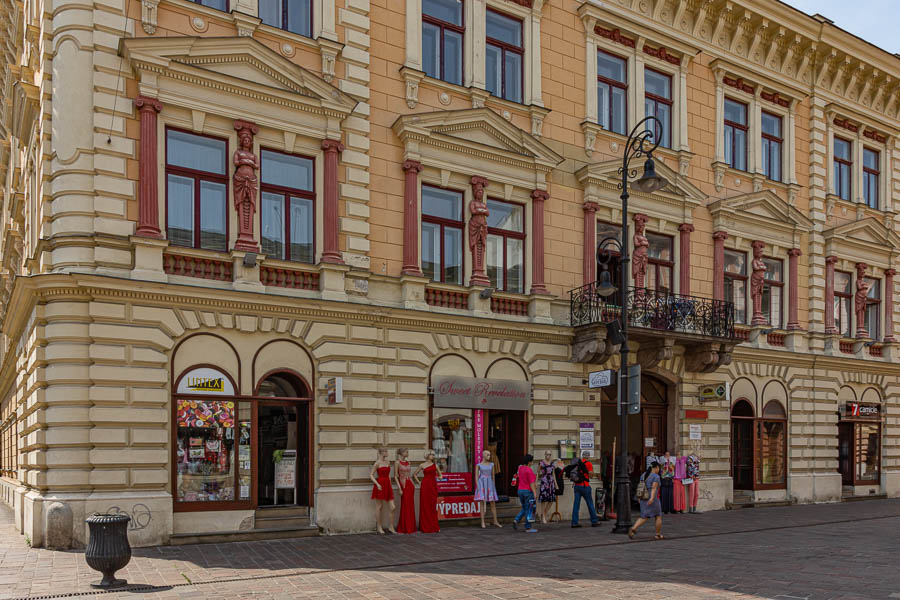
{"type": "Point", "coordinates": [454, 482]}
{"type": "Point", "coordinates": [335, 390]}
{"type": "Point", "coordinates": [599, 379]}
{"type": "Point", "coordinates": [696, 432]}
{"type": "Point", "coordinates": [711, 393]}
{"type": "Point", "coordinates": [862, 410]}
{"type": "Point", "coordinates": [458, 507]}
{"type": "Point", "coordinates": [586, 437]}
{"type": "Point", "coordinates": [696, 414]}
{"type": "Point", "coordinates": [205, 381]}
{"type": "Point", "coordinates": [468, 392]}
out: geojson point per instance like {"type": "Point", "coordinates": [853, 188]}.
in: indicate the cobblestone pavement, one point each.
{"type": "Point", "coordinates": [847, 550]}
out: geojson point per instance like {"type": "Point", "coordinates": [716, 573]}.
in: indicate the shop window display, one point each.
{"type": "Point", "coordinates": [205, 451]}
{"type": "Point", "coordinates": [452, 442]}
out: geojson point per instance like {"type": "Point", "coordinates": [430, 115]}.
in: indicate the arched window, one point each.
{"type": "Point", "coordinates": [742, 408]}
{"type": "Point", "coordinates": [282, 385]}
{"type": "Point", "coordinates": [771, 446]}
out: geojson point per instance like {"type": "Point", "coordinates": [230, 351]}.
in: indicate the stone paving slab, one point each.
{"type": "Point", "coordinates": [812, 552]}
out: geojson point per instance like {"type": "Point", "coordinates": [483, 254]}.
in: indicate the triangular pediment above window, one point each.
{"type": "Point", "coordinates": [760, 215]}
{"type": "Point", "coordinates": [477, 132]}
{"type": "Point", "coordinates": [230, 67]}
{"type": "Point", "coordinates": [861, 241]}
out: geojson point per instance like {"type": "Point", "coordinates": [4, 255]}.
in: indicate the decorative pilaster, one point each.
{"type": "Point", "coordinates": [757, 278]}
{"type": "Point", "coordinates": [148, 188]}
{"type": "Point", "coordinates": [860, 300]}
{"type": "Point", "coordinates": [246, 184]}
{"type": "Point", "coordinates": [590, 242]}
{"type": "Point", "coordinates": [411, 219]}
{"type": "Point", "coordinates": [889, 305]}
{"type": "Point", "coordinates": [793, 297]}
{"type": "Point", "coordinates": [331, 252]}
{"type": "Point", "coordinates": [829, 295]}
{"type": "Point", "coordinates": [478, 231]}
{"type": "Point", "coordinates": [640, 248]}
{"type": "Point", "coordinates": [538, 197]}
{"type": "Point", "coordinates": [684, 259]}
{"type": "Point", "coordinates": [719, 238]}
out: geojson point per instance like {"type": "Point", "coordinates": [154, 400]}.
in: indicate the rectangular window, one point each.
{"type": "Point", "coordinates": [453, 442]}
{"type": "Point", "coordinates": [661, 261]}
{"type": "Point", "coordinates": [736, 134]}
{"type": "Point", "coordinates": [611, 92]}
{"type": "Point", "coordinates": [287, 206]}
{"type": "Point", "coordinates": [216, 4]}
{"type": "Point", "coordinates": [291, 15]}
{"type": "Point", "coordinates": [442, 234]}
{"type": "Point", "coordinates": [867, 451]}
{"type": "Point", "coordinates": [871, 174]}
{"type": "Point", "coordinates": [872, 318]}
{"type": "Point", "coordinates": [658, 102]}
{"type": "Point", "coordinates": [504, 56]}
{"type": "Point", "coordinates": [196, 191]}
{"type": "Point", "coordinates": [772, 142]}
{"type": "Point", "coordinates": [442, 40]}
{"type": "Point", "coordinates": [205, 450]}
{"type": "Point", "coordinates": [843, 167]}
{"type": "Point", "coordinates": [506, 246]}
{"type": "Point", "coordinates": [736, 283]}
{"type": "Point", "coordinates": [773, 292]}
{"type": "Point", "coordinates": [843, 296]}
{"type": "Point", "coordinates": [606, 231]}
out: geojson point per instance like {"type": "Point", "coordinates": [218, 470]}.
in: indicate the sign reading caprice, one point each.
{"type": "Point", "coordinates": [468, 392]}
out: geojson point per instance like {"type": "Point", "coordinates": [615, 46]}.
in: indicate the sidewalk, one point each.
{"type": "Point", "coordinates": [468, 562]}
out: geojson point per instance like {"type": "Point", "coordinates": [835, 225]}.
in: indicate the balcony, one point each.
{"type": "Point", "coordinates": [657, 321]}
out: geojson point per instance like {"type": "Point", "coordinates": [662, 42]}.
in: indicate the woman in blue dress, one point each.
{"type": "Point", "coordinates": [651, 507]}
{"type": "Point", "coordinates": [485, 490]}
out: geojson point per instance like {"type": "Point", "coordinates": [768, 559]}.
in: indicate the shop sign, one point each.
{"type": "Point", "coordinates": [696, 414]}
{"type": "Point", "coordinates": [468, 392]}
{"type": "Point", "coordinates": [586, 437]}
{"type": "Point", "coordinates": [205, 381]}
{"type": "Point", "coordinates": [335, 390]}
{"type": "Point", "coordinates": [598, 379]}
{"type": "Point", "coordinates": [711, 393]}
{"type": "Point", "coordinates": [458, 507]}
{"type": "Point", "coordinates": [454, 482]}
{"type": "Point", "coordinates": [862, 410]}
{"type": "Point", "coordinates": [696, 432]}
{"type": "Point", "coordinates": [479, 434]}
{"type": "Point", "coordinates": [286, 470]}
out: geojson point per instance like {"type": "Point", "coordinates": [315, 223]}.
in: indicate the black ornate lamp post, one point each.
{"type": "Point", "coordinates": [641, 142]}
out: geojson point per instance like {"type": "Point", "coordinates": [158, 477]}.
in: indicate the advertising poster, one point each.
{"type": "Point", "coordinates": [458, 507]}
{"type": "Point", "coordinates": [454, 482]}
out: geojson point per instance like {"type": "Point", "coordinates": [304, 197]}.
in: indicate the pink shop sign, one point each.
{"type": "Point", "coordinates": [468, 392]}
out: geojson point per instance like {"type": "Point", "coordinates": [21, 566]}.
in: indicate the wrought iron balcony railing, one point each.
{"type": "Point", "coordinates": [650, 309]}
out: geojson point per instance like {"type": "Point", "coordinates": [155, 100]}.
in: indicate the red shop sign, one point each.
{"type": "Point", "coordinates": [696, 414]}
{"type": "Point", "coordinates": [454, 482]}
{"type": "Point", "coordinates": [458, 507]}
{"type": "Point", "coordinates": [862, 410]}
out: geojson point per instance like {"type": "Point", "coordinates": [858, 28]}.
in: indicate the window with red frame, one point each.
{"type": "Point", "coordinates": [442, 40]}
{"type": "Point", "coordinates": [771, 445]}
{"type": "Point", "coordinates": [216, 4]}
{"type": "Point", "coordinates": [736, 283]}
{"type": "Point", "coordinates": [287, 206]}
{"type": "Point", "coordinates": [612, 90]}
{"type": "Point", "coordinates": [442, 234]}
{"type": "Point", "coordinates": [504, 56]}
{"type": "Point", "coordinates": [291, 15]}
{"type": "Point", "coordinates": [736, 134]}
{"type": "Point", "coordinates": [872, 318]}
{"type": "Point", "coordinates": [871, 176]}
{"type": "Point", "coordinates": [772, 142]}
{"type": "Point", "coordinates": [843, 296]}
{"type": "Point", "coordinates": [605, 231]}
{"type": "Point", "coordinates": [660, 262]}
{"type": "Point", "coordinates": [773, 291]}
{"type": "Point", "coordinates": [196, 191]}
{"type": "Point", "coordinates": [505, 253]}
{"type": "Point", "coordinates": [843, 167]}
{"type": "Point", "coordinates": [658, 103]}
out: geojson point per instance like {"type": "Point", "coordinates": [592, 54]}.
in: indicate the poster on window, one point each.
{"type": "Point", "coordinates": [205, 413]}
{"type": "Point", "coordinates": [458, 507]}
{"type": "Point", "coordinates": [286, 470]}
{"type": "Point", "coordinates": [454, 482]}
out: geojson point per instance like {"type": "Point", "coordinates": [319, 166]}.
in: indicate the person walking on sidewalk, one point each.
{"type": "Point", "coordinates": [526, 483]}
{"type": "Point", "coordinates": [648, 495]}
{"type": "Point", "coordinates": [580, 473]}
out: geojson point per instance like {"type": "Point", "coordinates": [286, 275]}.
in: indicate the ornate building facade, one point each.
{"type": "Point", "coordinates": [247, 242]}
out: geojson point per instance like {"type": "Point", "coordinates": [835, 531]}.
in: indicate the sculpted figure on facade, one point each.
{"type": "Point", "coordinates": [641, 246]}
{"type": "Point", "coordinates": [860, 298]}
{"type": "Point", "coordinates": [478, 231]}
{"type": "Point", "coordinates": [245, 184]}
{"type": "Point", "coordinates": [758, 266]}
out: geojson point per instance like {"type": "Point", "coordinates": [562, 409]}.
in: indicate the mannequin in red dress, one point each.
{"type": "Point", "coordinates": [383, 490]}
{"type": "Point", "coordinates": [407, 491]}
{"type": "Point", "coordinates": [428, 519]}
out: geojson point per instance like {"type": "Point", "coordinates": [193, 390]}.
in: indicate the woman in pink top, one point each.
{"type": "Point", "coordinates": [526, 482]}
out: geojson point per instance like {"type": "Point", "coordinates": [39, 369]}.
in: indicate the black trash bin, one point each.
{"type": "Point", "coordinates": [108, 549]}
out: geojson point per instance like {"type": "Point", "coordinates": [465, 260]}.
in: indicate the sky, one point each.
{"type": "Point", "coordinates": [864, 18]}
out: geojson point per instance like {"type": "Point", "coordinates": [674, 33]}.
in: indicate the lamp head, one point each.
{"type": "Point", "coordinates": [650, 181]}
{"type": "Point", "coordinates": [604, 286]}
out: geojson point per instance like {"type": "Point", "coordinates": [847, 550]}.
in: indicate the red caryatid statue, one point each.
{"type": "Point", "coordinates": [478, 231]}
{"type": "Point", "coordinates": [641, 246]}
{"type": "Point", "coordinates": [757, 278]}
{"type": "Point", "coordinates": [245, 184]}
{"type": "Point", "coordinates": [860, 299]}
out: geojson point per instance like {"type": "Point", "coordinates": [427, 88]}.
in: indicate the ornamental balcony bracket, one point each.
{"type": "Point", "coordinates": [706, 358]}
{"type": "Point", "coordinates": [590, 345]}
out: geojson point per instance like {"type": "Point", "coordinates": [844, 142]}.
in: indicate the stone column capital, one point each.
{"type": "Point", "coordinates": [145, 103]}
{"type": "Point", "coordinates": [332, 146]}
{"type": "Point", "coordinates": [720, 236]}
{"type": "Point", "coordinates": [412, 165]}
{"type": "Point", "coordinates": [686, 228]}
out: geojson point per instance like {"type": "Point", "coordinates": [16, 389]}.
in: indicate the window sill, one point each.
{"type": "Point", "coordinates": [478, 97]}
{"type": "Point", "coordinates": [617, 142]}
{"type": "Point", "coordinates": [861, 210]}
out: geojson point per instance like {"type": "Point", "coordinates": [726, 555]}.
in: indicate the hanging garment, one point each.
{"type": "Point", "coordinates": [681, 467]}
{"type": "Point", "coordinates": [693, 466]}
{"type": "Point", "coordinates": [678, 504]}
{"type": "Point", "coordinates": [693, 493]}
{"type": "Point", "coordinates": [458, 462]}
{"type": "Point", "coordinates": [666, 494]}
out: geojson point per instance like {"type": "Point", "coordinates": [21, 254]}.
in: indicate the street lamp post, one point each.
{"type": "Point", "coordinates": [641, 142]}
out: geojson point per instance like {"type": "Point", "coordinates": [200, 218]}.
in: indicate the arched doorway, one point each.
{"type": "Point", "coordinates": [282, 440]}
{"type": "Point", "coordinates": [742, 419]}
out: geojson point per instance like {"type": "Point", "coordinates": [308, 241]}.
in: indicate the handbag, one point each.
{"type": "Point", "coordinates": [642, 492]}
{"type": "Point", "coordinates": [515, 482]}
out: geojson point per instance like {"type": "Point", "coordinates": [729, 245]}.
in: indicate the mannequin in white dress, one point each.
{"type": "Point", "coordinates": [458, 462]}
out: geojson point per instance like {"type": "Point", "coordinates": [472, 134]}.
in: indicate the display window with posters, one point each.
{"type": "Point", "coordinates": [859, 443]}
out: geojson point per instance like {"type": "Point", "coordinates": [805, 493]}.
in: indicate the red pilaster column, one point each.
{"type": "Point", "coordinates": [331, 252]}
{"type": "Point", "coordinates": [590, 242]}
{"type": "Point", "coordinates": [829, 295]}
{"type": "Point", "coordinates": [148, 188]}
{"type": "Point", "coordinates": [889, 305]}
{"type": "Point", "coordinates": [719, 238]}
{"type": "Point", "coordinates": [537, 243]}
{"type": "Point", "coordinates": [411, 218]}
{"type": "Point", "coordinates": [793, 296]}
{"type": "Point", "coordinates": [684, 269]}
